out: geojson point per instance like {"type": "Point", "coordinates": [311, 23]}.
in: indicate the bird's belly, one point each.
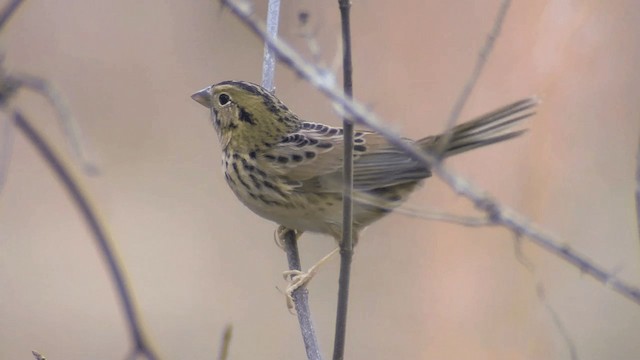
{"type": "Point", "coordinates": [304, 212]}
{"type": "Point", "coordinates": [275, 199]}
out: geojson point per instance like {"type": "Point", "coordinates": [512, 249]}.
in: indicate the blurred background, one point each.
{"type": "Point", "coordinates": [198, 260]}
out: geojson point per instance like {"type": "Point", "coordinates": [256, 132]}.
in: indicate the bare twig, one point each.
{"type": "Point", "coordinates": [638, 188]}
{"type": "Point", "coordinates": [269, 59]}
{"type": "Point", "coordinates": [223, 354]}
{"type": "Point", "coordinates": [308, 34]}
{"type": "Point", "coordinates": [300, 295]}
{"type": "Point", "coordinates": [498, 214]}
{"type": "Point", "coordinates": [6, 145]}
{"type": "Point", "coordinates": [540, 292]}
{"type": "Point", "coordinates": [141, 345]}
{"type": "Point", "coordinates": [301, 299]}
{"type": "Point", "coordinates": [346, 245]}
{"type": "Point", "coordinates": [67, 122]}
{"type": "Point", "coordinates": [557, 322]}
{"type": "Point", "coordinates": [8, 10]}
{"type": "Point", "coordinates": [475, 74]}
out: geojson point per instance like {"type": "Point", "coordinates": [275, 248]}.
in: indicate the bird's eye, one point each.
{"type": "Point", "coordinates": [224, 99]}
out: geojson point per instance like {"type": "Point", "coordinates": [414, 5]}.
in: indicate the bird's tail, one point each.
{"type": "Point", "coordinates": [483, 130]}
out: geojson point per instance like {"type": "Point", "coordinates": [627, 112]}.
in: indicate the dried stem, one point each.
{"type": "Point", "coordinates": [223, 354]}
{"type": "Point", "coordinates": [346, 243]}
{"type": "Point", "coordinates": [638, 188]}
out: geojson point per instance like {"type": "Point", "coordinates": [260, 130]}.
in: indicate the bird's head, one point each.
{"type": "Point", "coordinates": [246, 116]}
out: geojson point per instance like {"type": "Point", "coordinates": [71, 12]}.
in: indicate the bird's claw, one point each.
{"type": "Point", "coordinates": [297, 279]}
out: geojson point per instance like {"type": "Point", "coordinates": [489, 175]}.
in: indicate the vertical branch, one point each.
{"type": "Point", "coordinates": [638, 187]}
{"type": "Point", "coordinates": [300, 295]}
{"type": "Point", "coordinates": [6, 145]}
{"type": "Point", "coordinates": [269, 59]}
{"type": "Point", "coordinates": [346, 245]}
{"type": "Point", "coordinates": [141, 345]}
{"type": "Point", "coordinates": [301, 299]}
{"type": "Point", "coordinates": [223, 354]}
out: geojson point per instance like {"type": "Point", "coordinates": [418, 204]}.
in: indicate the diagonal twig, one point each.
{"type": "Point", "coordinates": [7, 11]}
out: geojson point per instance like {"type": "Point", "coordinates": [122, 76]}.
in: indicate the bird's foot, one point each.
{"type": "Point", "coordinates": [280, 234]}
{"type": "Point", "coordinates": [299, 279]}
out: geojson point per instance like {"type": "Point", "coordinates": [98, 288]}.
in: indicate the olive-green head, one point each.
{"type": "Point", "coordinates": [246, 116]}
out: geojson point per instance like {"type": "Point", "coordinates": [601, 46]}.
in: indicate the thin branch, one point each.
{"type": "Point", "coordinates": [300, 295]}
{"type": "Point", "coordinates": [475, 74]}
{"type": "Point", "coordinates": [269, 59]}
{"type": "Point", "coordinates": [540, 292]}
{"type": "Point", "coordinates": [8, 10]}
{"type": "Point", "coordinates": [308, 34]}
{"type": "Point", "coordinates": [499, 214]}
{"type": "Point", "coordinates": [6, 146]}
{"type": "Point", "coordinates": [301, 299]}
{"type": "Point", "coordinates": [69, 125]}
{"type": "Point", "coordinates": [638, 188]}
{"type": "Point", "coordinates": [141, 345]}
{"type": "Point", "coordinates": [557, 322]}
{"type": "Point", "coordinates": [346, 243]}
{"type": "Point", "coordinates": [225, 343]}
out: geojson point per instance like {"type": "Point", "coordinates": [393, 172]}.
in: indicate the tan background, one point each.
{"type": "Point", "coordinates": [421, 290]}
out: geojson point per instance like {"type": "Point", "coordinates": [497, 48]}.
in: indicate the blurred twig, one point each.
{"type": "Point", "coordinates": [69, 126]}
{"type": "Point", "coordinates": [497, 213]}
{"type": "Point", "coordinates": [7, 11]}
{"type": "Point", "coordinates": [141, 346]}
{"type": "Point", "coordinates": [346, 245]}
{"type": "Point", "coordinates": [225, 343]}
{"type": "Point", "coordinates": [6, 145]}
{"type": "Point", "coordinates": [557, 321]}
{"type": "Point", "coordinates": [9, 85]}
{"type": "Point", "coordinates": [475, 74]}
{"type": "Point", "coordinates": [540, 292]}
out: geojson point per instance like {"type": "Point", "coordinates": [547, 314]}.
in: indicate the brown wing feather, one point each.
{"type": "Point", "coordinates": [376, 163]}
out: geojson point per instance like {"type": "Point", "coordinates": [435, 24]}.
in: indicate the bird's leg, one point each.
{"type": "Point", "coordinates": [298, 278]}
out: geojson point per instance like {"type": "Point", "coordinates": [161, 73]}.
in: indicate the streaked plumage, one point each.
{"type": "Point", "coordinates": [290, 171]}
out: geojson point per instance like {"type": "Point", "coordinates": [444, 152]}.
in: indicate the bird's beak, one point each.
{"type": "Point", "coordinates": [203, 97]}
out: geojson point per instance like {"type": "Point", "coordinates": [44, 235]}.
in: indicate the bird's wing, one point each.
{"type": "Point", "coordinates": [312, 158]}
